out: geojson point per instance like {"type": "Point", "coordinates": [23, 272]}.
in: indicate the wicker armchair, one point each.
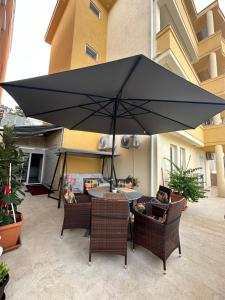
{"type": "Point", "coordinates": [109, 223]}
{"type": "Point", "coordinates": [160, 238]}
{"type": "Point", "coordinates": [77, 215]}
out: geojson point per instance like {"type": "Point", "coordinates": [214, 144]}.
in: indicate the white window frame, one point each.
{"type": "Point", "coordinates": [182, 157]}
{"type": "Point", "coordinates": [93, 7]}
{"type": "Point", "coordinates": [92, 49]}
{"type": "Point", "coordinates": [173, 156]}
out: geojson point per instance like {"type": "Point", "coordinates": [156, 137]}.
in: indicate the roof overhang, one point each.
{"type": "Point", "coordinates": [189, 138]}
{"type": "Point", "coordinates": [58, 13]}
{"type": "Point", "coordinates": [26, 131]}
{"type": "Point", "coordinates": [55, 19]}
{"type": "Point", "coordinates": [84, 153]}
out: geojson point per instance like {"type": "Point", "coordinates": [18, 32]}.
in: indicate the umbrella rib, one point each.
{"type": "Point", "coordinates": [128, 76]}
{"type": "Point", "coordinates": [100, 113]}
{"type": "Point", "coordinates": [51, 90]}
{"type": "Point", "coordinates": [139, 123]}
{"type": "Point", "coordinates": [157, 114]}
{"type": "Point", "coordinates": [96, 102]}
{"type": "Point", "coordinates": [175, 101]}
{"type": "Point", "coordinates": [64, 108]}
{"type": "Point", "coordinates": [92, 114]}
{"type": "Point", "coordinates": [133, 114]}
{"type": "Point", "coordinates": [124, 113]}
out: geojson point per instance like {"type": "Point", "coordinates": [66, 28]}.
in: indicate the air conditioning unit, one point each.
{"type": "Point", "coordinates": [105, 142]}
{"type": "Point", "coordinates": [130, 141]}
{"type": "Point", "coordinates": [210, 155]}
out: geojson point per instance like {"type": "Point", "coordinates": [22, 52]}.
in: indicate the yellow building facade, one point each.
{"type": "Point", "coordinates": [83, 33]}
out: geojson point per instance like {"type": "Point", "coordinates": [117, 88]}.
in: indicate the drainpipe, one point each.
{"type": "Point", "coordinates": [153, 138]}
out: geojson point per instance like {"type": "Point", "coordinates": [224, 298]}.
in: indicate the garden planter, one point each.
{"type": "Point", "coordinates": [2, 287]}
{"type": "Point", "coordinates": [176, 197]}
{"type": "Point", "coordinates": [10, 234]}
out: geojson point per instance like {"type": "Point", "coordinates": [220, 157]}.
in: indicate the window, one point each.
{"type": "Point", "coordinates": [182, 158]}
{"type": "Point", "coordinates": [4, 24]}
{"type": "Point", "coordinates": [94, 9]}
{"type": "Point", "coordinates": [3, 2]}
{"type": "Point", "coordinates": [91, 52]}
{"type": "Point", "coordinates": [173, 156]}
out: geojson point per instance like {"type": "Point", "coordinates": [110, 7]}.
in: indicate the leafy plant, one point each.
{"type": "Point", "coordinates": [133, 180]}
{"type": "Point", "coordinates": [4, 270]}
{"type": "Point", "coordinates": [10, 154]}
{"type": "Point", "coordinates": [185, 182]}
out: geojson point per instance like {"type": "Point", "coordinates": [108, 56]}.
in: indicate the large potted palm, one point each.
{"type": "Point", "coordinates": [184, 183]}
{"type": "Point", "coordinates": [11, 195]}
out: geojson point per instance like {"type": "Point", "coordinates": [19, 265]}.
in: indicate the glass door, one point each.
{"type": "Point", "coordinates": [35, 168]}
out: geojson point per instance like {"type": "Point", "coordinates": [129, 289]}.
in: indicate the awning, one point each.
{"type": "Point", "coordinates": [85, 153]}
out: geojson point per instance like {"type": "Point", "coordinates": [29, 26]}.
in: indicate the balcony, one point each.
{"type": "Point", "coordinates": [175, 13]}
{"type": "Point", "coordinates": [212, 44]}
{"type": "Point", "coordinates": [215, 85]}
{"type": "Point", "coordinates": [169, 44]}
{"type": "Point", "coordinates": [214, 135]}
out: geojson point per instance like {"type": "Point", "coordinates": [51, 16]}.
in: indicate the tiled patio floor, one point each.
{"type": "Point", "coordinates": [46, 267]}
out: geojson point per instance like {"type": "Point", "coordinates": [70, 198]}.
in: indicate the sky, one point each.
{"type": "Point", "coordinates": [29, 55]}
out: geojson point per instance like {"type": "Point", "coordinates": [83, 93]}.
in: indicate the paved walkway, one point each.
{"type": "Point", "coordinates": [46, 267]}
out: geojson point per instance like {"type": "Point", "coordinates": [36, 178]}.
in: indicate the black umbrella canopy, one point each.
{"type": "Point", "coordinates": [128, 96]}
{"type": "Point", "coordinates": [144, 97]}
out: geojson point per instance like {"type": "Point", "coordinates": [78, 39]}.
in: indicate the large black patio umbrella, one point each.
{"type": "Point", "coordinates": [128, 96]}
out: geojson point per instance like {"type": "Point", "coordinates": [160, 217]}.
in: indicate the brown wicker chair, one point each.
{"type": "Point", "coordinates": [177, 197]}
{"type": "Point", "coordinates": [109, 223]}
{"type": "Point", "coordinates": [77, 215]}
{"type": "Point", "coordinates": [160, 238]}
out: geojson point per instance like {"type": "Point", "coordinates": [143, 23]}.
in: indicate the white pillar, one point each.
{"type": "Point", "coordinates": [220, 170]}
{"type": "Point", "coordinates": [210, 22]}
{"type": "Point", "coordinates": [157, 17]}
{"type": "Point", "coordinates": [207, 173]}
{"type": "Point", "coordinates": [213, 71]}
{"type": "Point", "coordinates": [217, 120]}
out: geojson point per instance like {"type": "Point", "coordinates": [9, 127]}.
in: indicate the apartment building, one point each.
{"type": "Point", "coordinates": [87, 32]}
{"type": "Point", "coordinates": [7, 10]}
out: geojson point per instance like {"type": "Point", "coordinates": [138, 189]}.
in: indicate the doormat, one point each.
{"type": "Point", "coordinates": [37, 189]}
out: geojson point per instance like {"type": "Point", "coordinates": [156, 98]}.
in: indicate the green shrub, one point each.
{"type": "Point", "coordinates": [185, 182]}
{"type": "Point", "coordinates": [9, 153]}
{"type": "Point", "coordinates": [4, 270]}
{"type": "Point", "coordinates": [133, 180]}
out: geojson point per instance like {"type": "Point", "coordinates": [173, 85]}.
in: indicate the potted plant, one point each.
{"type": "Point", "coordinates": [131, 181]}
{"type": "Point", "coordinates": [11, 195]}
{"type": "Point", "coordinates": [184, 181]}
{"type": "Point", "coordinates": [4, 278]}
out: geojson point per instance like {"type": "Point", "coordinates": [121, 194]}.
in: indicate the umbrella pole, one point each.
{"type": "Point", "coordinates": [113, 142]}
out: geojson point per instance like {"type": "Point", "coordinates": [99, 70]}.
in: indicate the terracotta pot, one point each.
{"type": "Point", "coordinates": [10, 233]}
{"type": "Point", "coordinates": [3, 285]}
{"type": "Point", "coordinates": [176, 197]}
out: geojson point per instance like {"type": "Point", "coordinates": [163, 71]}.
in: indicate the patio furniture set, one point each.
{"type": "Point", "coordinates": [109, 219]}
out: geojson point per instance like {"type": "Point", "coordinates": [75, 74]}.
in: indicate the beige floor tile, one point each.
{"type": "Point", "coordinates": [47, 267]}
